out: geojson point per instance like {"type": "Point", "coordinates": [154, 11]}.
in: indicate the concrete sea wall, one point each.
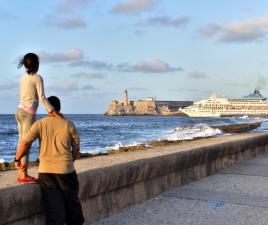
{"type": "Point", "coordinates": [109, 184]}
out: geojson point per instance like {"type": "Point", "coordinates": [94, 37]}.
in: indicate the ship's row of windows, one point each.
{"type": "Point", "coordinates": [239, 104]}
{"type": "Point", "coordinates": [229, 111]}
{"type": "Point", "coordinates": [227, 106]}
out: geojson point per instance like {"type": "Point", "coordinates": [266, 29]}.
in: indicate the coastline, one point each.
{"type": "Point", "coordinates": [231, 129]}
{"type": "Point", "coordinates": [104, 160]}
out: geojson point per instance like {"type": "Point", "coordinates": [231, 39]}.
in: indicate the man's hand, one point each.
{"type": "Point", "coordinates": [19, 166]}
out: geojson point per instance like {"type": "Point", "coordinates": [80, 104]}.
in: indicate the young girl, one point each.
{"type": "Point", "coordinates": [31, 92]}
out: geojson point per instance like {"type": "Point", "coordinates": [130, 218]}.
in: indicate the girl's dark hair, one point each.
{"type": "Point", "coordinates": [31, 62]}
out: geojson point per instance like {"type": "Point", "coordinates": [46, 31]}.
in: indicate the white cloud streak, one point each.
{"type": "Point", "coordinates": [9, 85]}
{"type": "Point", "coordinates": [75, 58]}
{"type": "Point", "coordinates": [70, 55]}
{"type": "Point", "coordinates": [88, 87]}
{"type": "Point", "coordinates": [89, 75]}
{"type": "Point", "coordinates": [164, 21]}
{"type": "Point", "coordinates": [94, 64]}
{"type": "Point", "coordinates": [70, 6]}
{"type": "Point", "coordinates": [134, 6]}
{"type": "Point", "coordinates": [7, 16]}
{"type": "Point", "coordinates": [254, 29]}
{"type": "Point", "coordinates": [69, 22]}
{"type": "Point", "coordinates": [68, 15]}
{"type": "Point", "coordinates": [197, 75]}
{"type": "Point", "coordinates": [64, 86]}
{"type": "Point", "coordinates": [155, 66]}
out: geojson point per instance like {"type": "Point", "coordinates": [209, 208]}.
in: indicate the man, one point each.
{"type": "Point", "coordinates": [59, 147]}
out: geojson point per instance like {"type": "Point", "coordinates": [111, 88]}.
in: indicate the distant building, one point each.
{"type": "Point", "coordinates": [145, 107]}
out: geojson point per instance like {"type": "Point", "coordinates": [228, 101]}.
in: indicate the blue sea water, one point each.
{"type": "Point", "coordinates": [100, 133]}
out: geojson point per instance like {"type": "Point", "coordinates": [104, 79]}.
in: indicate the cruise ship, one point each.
{"type": "Point", "coordinates": [253, 104]}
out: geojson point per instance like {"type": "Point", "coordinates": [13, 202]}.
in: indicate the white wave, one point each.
{"type": "Point", "coordinates": [258, 119]}
{"type": "Point", "coordinates": [243, 117]}
{"type": "Point", "coordinates": [120, 144]}
{"type": "Point", "coordinates": [113, 147]}
{"type": "Point", "coordinates": [116, 146]}
{"type": "Point", "coordinates": [191, 132]}
{"type": "Point", "coordinates": [2, 160]}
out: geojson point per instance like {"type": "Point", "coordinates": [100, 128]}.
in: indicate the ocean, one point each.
{"type": "Point", "coordinates": [100, 133]}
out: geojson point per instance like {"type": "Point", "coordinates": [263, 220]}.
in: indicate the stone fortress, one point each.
{"type": "Point", "coordinates": [145, 107]}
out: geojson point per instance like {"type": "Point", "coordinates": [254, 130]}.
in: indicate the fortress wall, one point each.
{"type": "Point", "coordinates": [144, 107]}
{"type": "Point", "coordinates": [116, 108]}
{"type": "Point", "coordinates": [109, 184]}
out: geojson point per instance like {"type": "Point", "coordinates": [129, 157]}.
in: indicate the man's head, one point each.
{"type": "Point", "coordinates": [55, 102]}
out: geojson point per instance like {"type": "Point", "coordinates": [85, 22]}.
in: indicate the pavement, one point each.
{"type": "Point", "coordinates": [235, 196]}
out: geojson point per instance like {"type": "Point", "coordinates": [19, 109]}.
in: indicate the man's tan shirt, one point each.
{"type": "Point", "coordinates": [57, 138]}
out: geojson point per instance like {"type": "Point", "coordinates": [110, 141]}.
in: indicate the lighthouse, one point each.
{"type": "Point", "coordinates": [126, 98]}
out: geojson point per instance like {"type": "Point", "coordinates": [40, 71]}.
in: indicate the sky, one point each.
{"type": "Point", "coordinates": [92, 50]}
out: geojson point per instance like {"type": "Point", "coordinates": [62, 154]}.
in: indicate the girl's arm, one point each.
{"type": "Point", "coordinates": [41, 95]}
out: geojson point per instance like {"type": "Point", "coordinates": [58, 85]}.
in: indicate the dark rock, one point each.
{"type": "Point", "coordinates": [4, 166]}
{"type": "Point", "coordinates": [238, 128]}
{"type": "Point", "coordinates": [158, 143]}
{"type": "Point", "coordinates": [85, 155]}
{"type": "Point", "coordinates": [131, 148]}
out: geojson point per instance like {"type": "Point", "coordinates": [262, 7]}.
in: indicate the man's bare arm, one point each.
{"type": "Point", "coordinates": [75, 152]}
{"type": "Point", "coordinates": [22, 148]}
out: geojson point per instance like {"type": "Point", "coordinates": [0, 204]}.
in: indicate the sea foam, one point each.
{"type": "Point", "coordinates": [192, 132]}
{"type": "Point", "coordinates": [2, 160]}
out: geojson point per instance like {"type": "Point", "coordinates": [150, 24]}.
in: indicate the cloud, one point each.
{"type": "Point", "coordinates": [88, 87]}
{"type": "Point", "coordinates": [185, 90]}
{"type": "Point", "coordinates": [156, 66]}
{"type": "Point", "coordinates": [233, 83]}
{"type": "Point", "coordinates": [210, 30]}
{"type": "Point", "coordinates": [164, 21]}
{"type": "Point", "coordinates": [64, 86]}
{"type": "Point", "coordinates": [139, 32]}
{"type": "Point", "coordinates": [9, 86]}
{"type": "Point", "coordinates": [261, 82]}
{"type": "Point", "coordinates": [254, 29]}
{"type": "Point", "coordinates": [70, 22]}
{"type": "Point", "coordinates": [93, 64]}
{"type": "Point", "coordinates": [7, 16]}
{"type": "Point", "coordinates": [248, 9]}
{"type": "Point", "coordinates": [197, 75]}
{"type": "Point", "coordinates": [69, 6]}
{"type": "Point", "coordinates": [134, 6]}
{"type": "Point", "coordinates": [71, 55]}
{"type": "Point", "coordinates": [102, 95]}
{"type": "Point", "coordinates": [137, 89]}
{"type": "Point", "coordinates": [89, 75]}
{"type": "Point", "coordinates": [67, 15]}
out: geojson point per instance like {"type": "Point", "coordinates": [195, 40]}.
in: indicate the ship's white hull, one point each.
{"type": "Point", "coordinates": [200, 114]}
{"type": "Point", "coordinates": [224, 114]}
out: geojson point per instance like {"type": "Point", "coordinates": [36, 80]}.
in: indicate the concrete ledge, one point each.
{"type": "Point", "coordinates": [109, 184]}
